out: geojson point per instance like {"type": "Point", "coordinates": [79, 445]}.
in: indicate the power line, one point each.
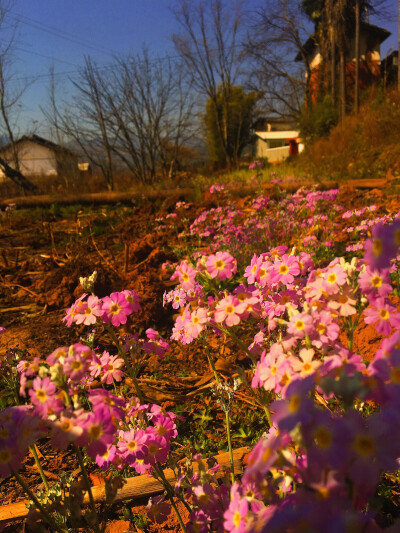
{"type": "Point", "coordinates": [18, 17]}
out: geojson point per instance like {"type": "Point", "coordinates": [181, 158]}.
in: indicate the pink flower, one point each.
{"type": "Point", "coordinates": [133, 300]}
{"type": "Point", "coordinates": [186, 275]}
{"type": "Point", "coordinates": [221, 265]}
{"type": "Point", "coordinates": [285, 269]}
{"type": "Point", "coordinates": [111, 365]}
{"type": "Point", "coordinates": [271, 368]}
{"type": "Point", "coordinates": [75, 309]}
{"type": "Point", "coordinates": [66, 430]}
{"type": "Point", "coordinates": [334, 277]}
{"type": "Point", "coordinates": [156, 344]}
{"type": "Point", "coordinates": [383, 314]}
{"type": "Point", "coordinates": [132, 445]}
{"type": "Point", "coordinates": [235, 517]}
{"type": "Point", "coordinates": [158, 509]}
{"type": "Point", "coordinates": [197, 322]}
{"type": "Point", "coordinates": [76, 363]}
{"type": "Point", "coordinates": [88, 312]}
{"type": "Point", "coordinates": [376, 282]}
{"type": "Point", "coordinates": [300, 325]}
{"type": "Point", "coordinates": [382, 246]}
{"type": "Point", "coordinates": [116, 309]}
{"type": "Point", "coordinates": [229, 310]}
{"type": "Point", "coordinates": [106, 459]}
{"type": "Point", "coordinates": [307, 365]}
{"type": "Point", "coordinates": [43, 397]}
{"type": "Point", "coordinates": [98, 431]}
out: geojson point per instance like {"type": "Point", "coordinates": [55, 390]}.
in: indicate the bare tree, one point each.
{"type": "Point", "coordinates": [211, 52]}
{"type": "Point", "coordinates": [11, 93]}
{"type": "Point", "coordinates": [85, 119]}
{"type": "Point", "coordinates": [276, 38]}
{"type": "Point", "coordinates": [150, 113]}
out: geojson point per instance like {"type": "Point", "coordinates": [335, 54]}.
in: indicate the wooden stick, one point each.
{"type": "Point", "coordinates": [134, 487]}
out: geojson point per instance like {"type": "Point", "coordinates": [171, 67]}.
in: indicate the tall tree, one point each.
{"type": "Point", "coordinates": [242, 114]}
{"type": "Point", "coordinates": [209, 47]}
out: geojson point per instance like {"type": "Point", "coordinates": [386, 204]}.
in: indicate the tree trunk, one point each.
{"type": "Point", "coordinates": [398, 53]}
{"type": "Point", "coordinates": [342, 87]}
{"type": "Point", "coordinates": [357, 56]}
{"type": "Point", "coordinates": [16, 176]}
{"type": "Point", "coordinates": [333, 67]}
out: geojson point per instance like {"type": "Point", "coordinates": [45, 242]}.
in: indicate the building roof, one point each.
{"type": "Point", "coordinates": [276, 135]}
{"type": "Point", "coordinates": [42, 142]}
{"type": "Point", "coordinates": [311, 44]}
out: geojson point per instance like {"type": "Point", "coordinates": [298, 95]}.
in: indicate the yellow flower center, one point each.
{"type": "Point", "coordinates": [41, 395]}
{"type": "Point", "coordinates": [115, 308]}
{"type": "Point", "coordinates": [5, 455]}
{"type": "Point", "coordinates": [229, 309]}
{"type": "Point", "coordinates": [95, 431]}
{"type": "Point", "coordinates": [395, 376]}
{"type": "Point", "coordinates": [377, 247]}
{"type": "Point", "coordinates": [384, 314]}
{"type": "Point", "coordinates": [237, 518]}
{"type": "Point", "coordinates": [283, 269]}
{"type": "Point", "coordinates": [299, 325]}
{"type": "Point", "coordinates": [294, 403]}
{"type": "Point", "coordinates": [76, 365]}
{"type": "Point", "coordinates": [322, 437]}
{"type": "Point", "coordinates": [331, 278]}
{"type": "Point", "coordinates": [152, 449]}
{"type": "Point", "coordinates": [364, 445]}
{"type": "Point", "coordinates": [219, 264]}
{"type": "Point", "coordinates": [65, 425]}
{"type": "Point", "coordinates": [376, 281]}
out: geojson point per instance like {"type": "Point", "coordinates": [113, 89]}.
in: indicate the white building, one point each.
{"type": "Point", "coordinates": [276, 139]}
{"type": "Point", "coordinates": [39, 157]}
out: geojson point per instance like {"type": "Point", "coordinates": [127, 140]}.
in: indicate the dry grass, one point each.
{"type": "Point", "coordinates": [363, 146]}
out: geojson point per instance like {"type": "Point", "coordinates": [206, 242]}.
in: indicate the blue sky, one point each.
{"type": "Point", "coordinates": [61, 32]}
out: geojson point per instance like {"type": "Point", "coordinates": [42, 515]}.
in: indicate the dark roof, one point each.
{"type": "Point", "coordinates": [43, 142]}
{"type": "Point", "coordinates": [311, 44]}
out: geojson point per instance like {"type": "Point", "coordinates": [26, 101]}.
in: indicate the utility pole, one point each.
{"type": "Point", "coordinates": [357, 56]}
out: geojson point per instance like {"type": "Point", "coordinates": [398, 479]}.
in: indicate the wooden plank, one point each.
{"type": "Point", "coordinates": [128, 197]}
{"type": "Point", "coordinates": [133, 488]}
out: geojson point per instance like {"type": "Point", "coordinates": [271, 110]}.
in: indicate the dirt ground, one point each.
{"type": "Point", "coordinates": [41, 259]}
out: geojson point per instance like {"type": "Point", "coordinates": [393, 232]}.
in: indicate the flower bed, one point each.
{"type": "Point", "coordinates": [285, 282]}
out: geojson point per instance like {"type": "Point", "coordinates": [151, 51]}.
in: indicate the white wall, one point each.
{"type": "Point", "coordinates": [34, 159]}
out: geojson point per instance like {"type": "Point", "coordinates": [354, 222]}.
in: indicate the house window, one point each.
{"type": "Point", "coordinates": [277, 143]}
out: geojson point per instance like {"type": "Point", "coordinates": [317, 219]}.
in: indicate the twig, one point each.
{"type": "Point", "coordinates": [21, 287]}
{"type": "Point", "coordinates": [102, 255]}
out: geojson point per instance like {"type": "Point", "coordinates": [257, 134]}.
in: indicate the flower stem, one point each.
{"type": "Point", "coordinates": [46, 516]}
{"type": "Point", "coordinates": [39, 467]}
{"type": "Point", "coordinates": [131, 369]}
{"type": "Point", "coordinates": [236, 339]}
{"type": "Point", "coordinates": [170, 493]}
{"type": "Point", "coordinates": [211, 361]}
{"type": "Point", "coordinates": [96, 525]}
{"type": "Point", "coordinates": [228, 433]}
